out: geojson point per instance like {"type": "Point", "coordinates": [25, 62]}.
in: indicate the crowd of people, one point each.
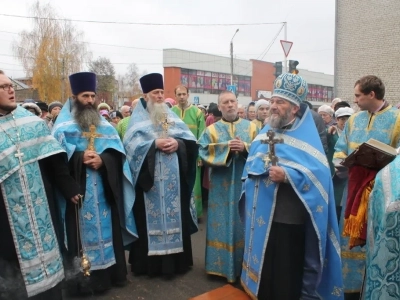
{"type": "Point", "coordinates": [81, 183]}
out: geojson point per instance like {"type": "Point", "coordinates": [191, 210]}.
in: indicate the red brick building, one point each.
{"type": "Point", "coordinates": [207, 75]}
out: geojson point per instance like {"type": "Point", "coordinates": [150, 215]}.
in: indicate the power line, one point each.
{"type": "Point", "coordinates": [154, 49]}
{"type": "Point", "coordinates": [3, 63]}
{"type": "Point", "coordinates": [272, 42]}
{"type": "Point", "coordinates": [266, 50]}
{"type": "Point", "coordinates": [13, 70]}
{"type": "Point", "coordinates": [143, 24]}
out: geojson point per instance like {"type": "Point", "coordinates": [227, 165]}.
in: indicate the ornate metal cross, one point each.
{"type": "Point", "coordinates": [165, 126]}
{"type": "Point", "coordinates": [270, 157]}
{"type": "Point", "coordinates": [91, 135]}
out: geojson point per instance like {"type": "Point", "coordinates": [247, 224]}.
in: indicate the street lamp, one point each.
{"type": "Point", "coordinates": [232, 56]}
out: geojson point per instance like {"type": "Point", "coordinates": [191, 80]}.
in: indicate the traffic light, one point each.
{"type": "Point", "coordinates": [278, 68]}
{"type": "Point", "coordinates": [292, 67]}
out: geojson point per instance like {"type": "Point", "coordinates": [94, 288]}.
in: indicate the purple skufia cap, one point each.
{"type": "Point", "coordinates": [82, 82]}
{"type": "Point", "coordinates": [152, 81]}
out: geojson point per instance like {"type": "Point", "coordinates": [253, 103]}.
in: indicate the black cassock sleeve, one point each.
{"type": "Point", "coordinates": [55, 172]}
{"type": "Point", "coordinates": [146, 174]}
{"type": "Point", "coordinates": [111, 172]}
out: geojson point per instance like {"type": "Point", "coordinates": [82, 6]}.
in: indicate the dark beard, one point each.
{"type": "Point", "coordinates": [85, 115]}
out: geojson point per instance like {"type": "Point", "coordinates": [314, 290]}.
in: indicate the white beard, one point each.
{"type": "Point", "coordinates": [157, 112]}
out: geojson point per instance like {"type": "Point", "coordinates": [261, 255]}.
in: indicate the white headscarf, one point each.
{"type": "Point", "coordinates": [262, 102]}
{"type": "Point", "coordinates": [326, 109]}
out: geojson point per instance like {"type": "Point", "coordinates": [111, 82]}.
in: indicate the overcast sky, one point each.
{"type": "Point", "coordinates": [310, 28]}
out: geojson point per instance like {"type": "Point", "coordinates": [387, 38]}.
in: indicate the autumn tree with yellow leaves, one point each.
{"type": "Point", "coordinates": [50, 52]}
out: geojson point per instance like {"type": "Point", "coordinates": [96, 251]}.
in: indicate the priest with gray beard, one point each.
{"type": "Point", "coordinates": [162, 154]}
{"type": "Point", "coordinates": [97, 161]}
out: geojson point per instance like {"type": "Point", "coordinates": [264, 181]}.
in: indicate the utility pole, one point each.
{"type": "Point", "coordinates": [285, 38]}
{"type": "Point", "coordinates": [232, 56]}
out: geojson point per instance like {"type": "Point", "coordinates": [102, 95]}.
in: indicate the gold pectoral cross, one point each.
{"type": "Point", "coordinates": [271, 157]}
{"type": "Point", "coordinates": [91, 135]}
{"type": "Point", "coordinates": [165, 126]}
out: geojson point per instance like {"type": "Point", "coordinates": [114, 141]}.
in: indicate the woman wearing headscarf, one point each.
{"type": "Point", "coordinates": [334, 131]}
{"type": "Point", "coordinates": [327, 114]}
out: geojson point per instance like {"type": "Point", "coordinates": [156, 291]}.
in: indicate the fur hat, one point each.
{"type": "Point", "coordinates": [30, 105]}
{"type": "Point", "coordinates": [55, 104]}
{"type": "Point", "coordinates": [102, 106]}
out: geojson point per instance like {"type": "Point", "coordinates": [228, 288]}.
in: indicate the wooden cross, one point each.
{"type": "Point", "coordinates": [19, 155]}
{"type": "Point", "coordinates": [270, 157]}
{"type": "Point", "coordinates": [165, 125]}
{"type": "Point", "coordinates": [91, 135]}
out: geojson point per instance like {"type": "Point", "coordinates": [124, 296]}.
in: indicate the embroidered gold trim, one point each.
{"type": "Point", "coordinates": [225, 246]}
{"type": "Point", "coordinates": [353, 255]}
{"type": "Point", "coordinates": [253, 276]}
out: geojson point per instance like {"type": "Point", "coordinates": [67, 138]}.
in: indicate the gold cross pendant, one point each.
{"type": "Point", "coordinates": [91, 135]}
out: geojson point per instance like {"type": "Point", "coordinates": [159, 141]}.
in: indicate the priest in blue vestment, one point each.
{"type": "Point", "coordinates": [224, 147]}
{"type": "Point", "coordinates": [291, 234]}
{"type": "Point", "coordinates": [162, 154]}
{"type": "Point", "coordinates": [97, 161]}
{"type": "Point", "coordinates": [32, 164]}
{"type": "Point", "coordinates": [382, 280]}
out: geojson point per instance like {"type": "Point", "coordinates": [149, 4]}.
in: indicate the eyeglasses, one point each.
{"type": "Point", "coordinates": [7, 87]}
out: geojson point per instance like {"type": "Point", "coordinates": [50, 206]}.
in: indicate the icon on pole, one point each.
{"type": "Point", "coordinates": [286, 46]}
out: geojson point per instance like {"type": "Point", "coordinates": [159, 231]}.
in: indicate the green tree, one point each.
{"type": "Point", "coordinates": [105, 72]}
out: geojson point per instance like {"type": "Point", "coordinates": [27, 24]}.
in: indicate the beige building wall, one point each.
{"type": "Point", "coordinates": [367, 42]}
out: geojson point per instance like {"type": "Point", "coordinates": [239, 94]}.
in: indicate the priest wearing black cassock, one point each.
{"type": "Point", "coordinates": [97, 160]}
{"type": "Point", "coordinates": [162, 154]}
{"type": "Point", "coordinates": [32, 162]}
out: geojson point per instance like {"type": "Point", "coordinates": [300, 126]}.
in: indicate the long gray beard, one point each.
{"type": "Point", "coordinates": [85, 115]}
{"type": "Point", "coordinates": [278, 121]}
{"type": "Point", "coordinates": [157, 112]}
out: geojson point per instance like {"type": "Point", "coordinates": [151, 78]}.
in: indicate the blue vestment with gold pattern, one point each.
{"type": "Point", "coordinates": [383, 126]}
{"type": "Point", "coordinates": [303, 159]}
{"type": "Point", "coordinates": [96, 227]}
{"type": "Point", "coordinates": [383, 239]}
{"type": "Point", "coordinates": [26, 201]}
{"type": "Point", "coordinates": [163, 200]}
{"type": "Point", "coordinates": [224, 248]}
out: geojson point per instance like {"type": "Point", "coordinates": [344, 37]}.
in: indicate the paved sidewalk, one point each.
{"type": "Point", "coordinates": [182, 287]}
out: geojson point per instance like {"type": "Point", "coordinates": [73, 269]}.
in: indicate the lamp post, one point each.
{"type": "Point", "coordinates": [232, 56]}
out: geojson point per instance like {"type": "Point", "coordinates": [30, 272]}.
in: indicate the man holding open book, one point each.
{"type": "Point", "coordinates": [380, 121]}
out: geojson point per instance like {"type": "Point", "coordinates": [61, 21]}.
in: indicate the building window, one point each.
{"type": "Point", "coordinates": [319, 93]}
{"type": "Point", "coordinates": [214, 83]}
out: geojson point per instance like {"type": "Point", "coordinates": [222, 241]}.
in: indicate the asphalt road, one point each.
{"type": "Point", "coordinates": [181, 287]}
